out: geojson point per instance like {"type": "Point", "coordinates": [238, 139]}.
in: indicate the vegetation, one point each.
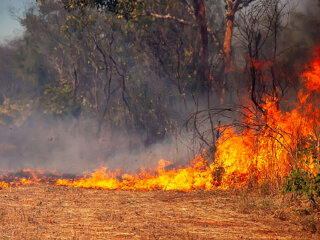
{"type": "Point", "coordinates": [146, 65]}
{"type": "Point", "coordinates": [223, 77]}
{"type": "Point", "coordinates": [302, 182]}
{"type": "Point", "coordinates": [42, 212]}
{"type": "Point", "coordinates": [161, 68]}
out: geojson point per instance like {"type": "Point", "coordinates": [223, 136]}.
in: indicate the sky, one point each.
{"type": "Point", "coordinates": [9, 24]}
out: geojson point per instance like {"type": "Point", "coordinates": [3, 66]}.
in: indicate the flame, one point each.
{"type": "Point", "coordinates": [26, 177]}
{"type": "Point", "coordinates": [269, 151]}
{"type": "Point", "coordinates": [266, 150]}
{"type": "Point", "coordinates": [274, 141]}
{"type": "Point", "coordinates": [271, 143]}
{"type": "Point", "coordinates": [3, 185]}
{"type": "Point", "coordinates": [197, 176]}
{"type": "Point", "coordinates": [312, 77]}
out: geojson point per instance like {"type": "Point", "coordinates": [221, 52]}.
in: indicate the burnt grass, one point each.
{"type": "Point", "coordinates": [55, 212]}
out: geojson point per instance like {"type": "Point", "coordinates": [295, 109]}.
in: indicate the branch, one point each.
{"type": "Point", "coordinates": [182, 21]}
{"type": "Point", "coordinates": [245, 3]}
{"type": "Point", "coordinates": [189, 8]}
{"type": "Point", "coordinates": [167, 16]}
{"type": "Point", "coordinates": [236, 5]}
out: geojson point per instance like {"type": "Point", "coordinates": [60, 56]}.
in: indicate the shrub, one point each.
{"type": "Point", "coordinates": [304, 182]}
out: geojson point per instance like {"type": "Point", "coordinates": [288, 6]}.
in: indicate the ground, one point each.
{"type": "Point", "coordinates": [52, 212]}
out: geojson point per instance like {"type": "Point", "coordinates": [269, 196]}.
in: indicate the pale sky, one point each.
{"type": "Point", "coordinates": [9, 25]}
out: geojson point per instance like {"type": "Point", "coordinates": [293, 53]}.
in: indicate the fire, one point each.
{"type": "Point", "coordinates": [24, 177]}
{"type": "Point", "coordinates": [312, 77]}
{"type": "Point", "coordinates": [3, 185]}
{"type": "Point", "coordinates": [27, 177]}
{"type": "Point", "coordinates": [271, 143]}
{"type": "Point", "coordinates": [268, 150]}
{"type": "Point", "coordinates": [196, 176]}
{"type": "Point", "coordinates": [274, 142]}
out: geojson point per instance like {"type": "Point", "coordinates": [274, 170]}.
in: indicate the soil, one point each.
{"type": "Point", "coordinates": [52, 212]}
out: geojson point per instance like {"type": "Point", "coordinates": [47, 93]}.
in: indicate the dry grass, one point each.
{"type": "Point", "coordinates": [47, 212]}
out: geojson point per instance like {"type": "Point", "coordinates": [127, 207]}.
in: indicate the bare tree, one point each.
{"type": "Point", "coordinates": [258, 29]}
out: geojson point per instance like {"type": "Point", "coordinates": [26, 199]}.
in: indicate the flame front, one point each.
{"type": "Point", "coordinates": [26, 177]}
{"type": "Point", "coordinates": [267, 150]}
{"type": "Point", "coordinates": [198, 176]}
{"type": "Point", "coordinates": [272, 143]}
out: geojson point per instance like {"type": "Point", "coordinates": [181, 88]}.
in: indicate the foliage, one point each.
{"type": "Point", "coordinates": [123, 8]}
{"type": "Point", "coordinates": [134, 64]}
{"type": "Point", "coordinates": [14, 113]}
{"type": "Point", "coordinates": [305, 182]}
{"type": "Point", "coordinates": [58, 100]}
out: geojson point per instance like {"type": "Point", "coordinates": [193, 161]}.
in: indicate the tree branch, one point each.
{"type": "Point", "coordinates": [182, 21]}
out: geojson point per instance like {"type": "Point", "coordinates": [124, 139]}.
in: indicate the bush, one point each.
{"type": "Point", "coordinates": [58, 100]}
{"type": "Point", "coordinates": [304, 182]}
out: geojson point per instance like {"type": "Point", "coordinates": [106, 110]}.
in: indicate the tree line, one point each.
{"type": "Point", "coordinates": [153, 67]}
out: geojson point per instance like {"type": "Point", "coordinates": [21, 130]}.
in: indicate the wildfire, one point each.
{"type": "Point", "coordinates": [272, 143]}
{"type": "Point", "coordinates": [197, 176]}
{"type": "Point", "coordinates": [312, 77]}
{"type": "Point", "coordinates": [27, 177]}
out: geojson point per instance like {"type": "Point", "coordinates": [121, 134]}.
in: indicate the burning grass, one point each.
{"type": "Point", "coordinates": [271, 143]}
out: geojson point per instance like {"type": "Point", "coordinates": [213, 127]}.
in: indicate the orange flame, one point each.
{"type": "Point", "coordinates": [312, 77]}
{"type": "Point", "coordinates": [26, 177]}
{"type": "Point", "coordinates": [197, 176]}
{"type": "Point", "coordinates": [270, 146]}
{"type": "Point", "coordinates": [267, 149]}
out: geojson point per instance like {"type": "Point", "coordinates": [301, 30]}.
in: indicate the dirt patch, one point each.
{"type": "Point", "coordinates": [48, 212]}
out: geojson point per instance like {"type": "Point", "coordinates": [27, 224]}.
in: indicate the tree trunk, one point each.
{"type": "Point", "coordinates": [230, 12]}
{"type": "Point", "coordinates": [227, 45]}
{"type": "Point", "coordinates": [75, 84]}
{"type": "Point", "coordinates": [200, 13]}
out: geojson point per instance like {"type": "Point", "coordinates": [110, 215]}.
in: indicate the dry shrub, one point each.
{"type": "Point", "coordinates": [247, 204]}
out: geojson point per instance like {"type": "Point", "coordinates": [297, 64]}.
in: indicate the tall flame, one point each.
{"type": "Point", "coordinates": [272, 143]}
{"type": "Point", "coordinates": [266, 150]}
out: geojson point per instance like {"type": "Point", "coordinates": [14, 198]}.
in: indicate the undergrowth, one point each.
{"type": "Point", "coordinates": [302, 182]}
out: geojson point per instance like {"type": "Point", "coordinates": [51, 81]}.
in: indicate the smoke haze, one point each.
{"type": "Point", "coordinates": [42, 143]}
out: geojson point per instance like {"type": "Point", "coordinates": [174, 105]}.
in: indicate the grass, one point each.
{"type": "Point", "coordinates": [47, 212]}
{"type": "Point", "coordinates": [265, 201]}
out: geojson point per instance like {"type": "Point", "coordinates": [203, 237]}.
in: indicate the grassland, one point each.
{"type": "Point", "coordinates": [51, 212]}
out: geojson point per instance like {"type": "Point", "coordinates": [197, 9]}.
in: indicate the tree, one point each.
{"type": "Point", "coordinates": [196, 10]}
{"type": "Point", "coordinates": [115, 53]}
{"type": "Point", "coordinates": [232, 7]}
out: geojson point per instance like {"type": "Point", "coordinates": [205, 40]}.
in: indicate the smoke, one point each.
{"type": "Point", "coordinates": [65, 147]}
{"type": "Point", "coordinates": [308, 6]}
{"type": "Point", "coordinates": [72, 147]}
